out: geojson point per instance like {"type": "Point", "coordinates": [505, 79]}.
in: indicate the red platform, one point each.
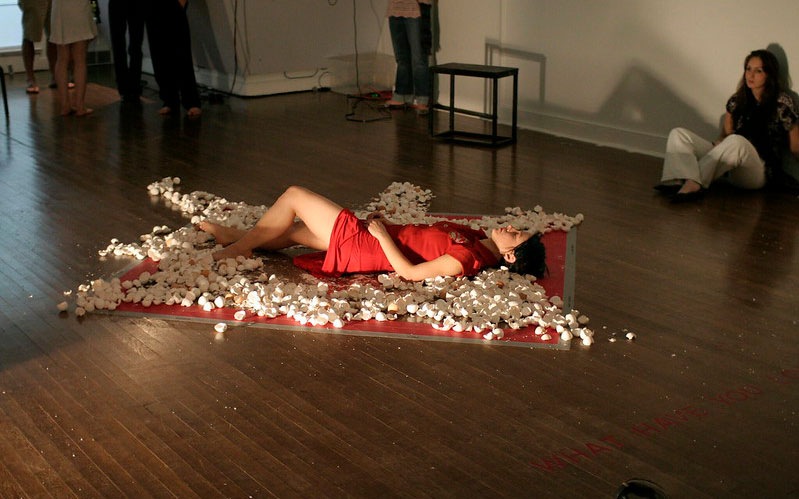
{"type": "Point", "coordinates": [556, 250]}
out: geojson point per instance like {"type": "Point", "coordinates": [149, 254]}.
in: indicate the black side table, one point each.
{"type": "Point", "coordinates": [3, 84]}
{"type": "Point", "coordinates": [494, 73]}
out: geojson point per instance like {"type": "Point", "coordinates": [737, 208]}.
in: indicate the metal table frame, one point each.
{"type": "Point", "coordinates": [479, 71]}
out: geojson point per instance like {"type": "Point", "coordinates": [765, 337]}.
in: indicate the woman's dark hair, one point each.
{"type": "Point", "coordinates": [530, 257]}
{"type": "Point", "coordinates": [744, 96]}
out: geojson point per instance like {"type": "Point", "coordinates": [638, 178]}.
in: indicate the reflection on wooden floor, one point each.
{"type": "Point", "coordinates": [704, 402]}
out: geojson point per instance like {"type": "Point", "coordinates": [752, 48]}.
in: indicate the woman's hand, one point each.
{"type": "Point", "coordinates": [443, 265]}
{"type": "Point", "coordinates": [377, 229]}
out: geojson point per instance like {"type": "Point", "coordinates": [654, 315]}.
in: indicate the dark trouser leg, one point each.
{"type": "Point", "coordinates": [117, 26]}
{"type": "Point", "coordinates": [420, 70]}
{"type": "Point", "coordinates": [158, 20]}
{"type": "Point", "coordinates": [184, 63]}
{"type": "Point", "coordinates": [403, 81]}
{"type": "Point", "coordinates": [136, 36]}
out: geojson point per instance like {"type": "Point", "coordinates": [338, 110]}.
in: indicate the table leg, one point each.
{"type": "Point", "coordinates": [451, 103]}
{"type": "Point", "coordinates": [494, 111]}
{"type": "Point", "coordinates": [515, 104]}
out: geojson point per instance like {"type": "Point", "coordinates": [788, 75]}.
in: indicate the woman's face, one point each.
{"type": "Point", "coordinates": [507, 238]}
{"type": "Point", "coordinates": [754, 74]}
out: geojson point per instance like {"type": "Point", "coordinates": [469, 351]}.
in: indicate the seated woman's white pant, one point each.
{"type": "Point", "coordinates": [689, 156]}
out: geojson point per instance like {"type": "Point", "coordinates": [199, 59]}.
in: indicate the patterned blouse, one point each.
{"type": "Point", "coordinates": [405, 8]}
{"type": "Point", "coordinates": [766, 127]}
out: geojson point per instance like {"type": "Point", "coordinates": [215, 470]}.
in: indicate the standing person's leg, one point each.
{"type": "Point", "coordinates": [184, 64]}
{"type": "Point", "coordinates": [28, 52]}
{"type": "Point", "coordinates": [135, 17]}
{"type": "Point", "coordinates": [419, 66]}
{"type": "Point", "coordinates": [157, 19]}
{"type": "Point", "coordinates": [737, 156]}
{"type": "Point", "coordinates": [32, 26]}
{"type": "Point", "coordinates": [683, 150]}
{"type": "Point", "coordinates": [80, 75]}
{"type": "Point", "coordinates": [316, 211]}
{"type": "Point", "coordinates": [61, 77]}
{"type": "Point", "coordinates": [403, 81]}
{"type": "Point", "coordinates": [117, 26]}
{"type": "Point", "coordinates": [52, 51]}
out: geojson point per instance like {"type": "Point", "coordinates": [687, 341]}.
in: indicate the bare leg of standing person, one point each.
{"type": "Point", "coordinates": [80, 74]}
{"type": "Point", "coordinates": [28, 52]}
{"type": "Point", "coordinates": [61, 65]}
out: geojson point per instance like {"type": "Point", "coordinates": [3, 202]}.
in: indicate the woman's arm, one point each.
{"type": "Point", "coordinates": [445, 265]}
{"type": "Point", "coordinates": [726, 129]}
{"type": "Point", "coordinates": [793, 139]}
{"type": "Point", "coordinates": [378, 215]}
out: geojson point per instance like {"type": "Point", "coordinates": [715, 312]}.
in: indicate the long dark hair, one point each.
{"type": "Point", "coordinates": [531, 257]}
{"type": "Point", "coordinates": [744, 97]}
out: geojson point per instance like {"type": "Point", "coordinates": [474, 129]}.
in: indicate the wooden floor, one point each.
{"type": "Point", "coordinates": [704, 402]}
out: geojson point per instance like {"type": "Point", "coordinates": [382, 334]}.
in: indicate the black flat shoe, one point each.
{"type": "Point", "coordinates": [687, 197]}
{"type": "Point", "coordinates": [668, 189]}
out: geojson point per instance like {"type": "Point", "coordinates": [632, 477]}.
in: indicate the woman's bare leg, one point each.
{"type": "Point", "coordinates": [297, 234]}
{"type": "Point", "coordinates": [276, 228]}
{"type": "Point", "coordinates": [79, 73]}
{"type": "Point", "coordinates": [61, 65]}
{"type": "Point", "coordinates": [223, 235]}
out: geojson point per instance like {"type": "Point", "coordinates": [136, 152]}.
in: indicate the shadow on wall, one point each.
{"type": "Point", "coordinates": [789, 162]}
{"type": "Point", "coordinates": [641, 108]}
{"type": "Point", "coordinates": [206, 39]}
{"type": "Point", "coordinates": [642, 102]}
{"type": "Point", "coordinates": [496, 47]}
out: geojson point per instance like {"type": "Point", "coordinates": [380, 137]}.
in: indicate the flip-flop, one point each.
{"type": "Point", "coordinates": [32, 89]}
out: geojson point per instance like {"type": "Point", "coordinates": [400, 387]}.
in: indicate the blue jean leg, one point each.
{"type": "Point", "coordinates": [412, 71]}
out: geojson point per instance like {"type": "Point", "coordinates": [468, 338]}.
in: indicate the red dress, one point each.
{"type": "Point", "coordinates": [353, 249]}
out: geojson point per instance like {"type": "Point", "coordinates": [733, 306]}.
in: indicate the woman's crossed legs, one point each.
{"type": "Point", "coordinates": [277, 228]}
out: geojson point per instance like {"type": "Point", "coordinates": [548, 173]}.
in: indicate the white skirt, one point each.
{"type": "Point", "coordinates": [71, 21]}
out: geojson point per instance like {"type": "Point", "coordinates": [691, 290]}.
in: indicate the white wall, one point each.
{"type": "Point", "coordinates": [618, 72]}
{"type": "Point", "coordinates": [282, 45]}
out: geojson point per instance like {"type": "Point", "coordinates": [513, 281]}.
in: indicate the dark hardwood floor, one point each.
{"type": "Point", "coordinates": [704, 402]}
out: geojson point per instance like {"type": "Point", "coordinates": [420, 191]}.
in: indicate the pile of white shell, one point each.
{"type": "Point", "coordinates": [486, 305]}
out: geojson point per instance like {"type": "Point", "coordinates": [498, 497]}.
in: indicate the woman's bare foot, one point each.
{"type": "Point", "coordinates": [165, 110]}
{"type": "Point", "coordinates": [231, 251]}
{"type": "Point", "coordinates": [689, 186]}
{"type": "Point", "coordinates": [223, 235]}
{"type": "Point", "coordinates": [84, 111]}
{"type": "Point", "coordinates": [194, 112]}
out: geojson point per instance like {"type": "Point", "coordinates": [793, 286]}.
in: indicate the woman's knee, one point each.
{"type": "Point", "coordinates": [678, 133]}
{"type": "Point", "coordinates": [735, 140]}
{"type": "Point", "coordinates": [295, 191]}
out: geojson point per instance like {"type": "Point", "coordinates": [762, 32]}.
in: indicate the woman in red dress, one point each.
{"type": "Point", "coordinates": [414, 252]}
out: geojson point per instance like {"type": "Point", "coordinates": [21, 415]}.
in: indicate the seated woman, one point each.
{"type": "Point", "coordinates": [760, 123]}
{"type": "Point", "coordinates": [415, 252]}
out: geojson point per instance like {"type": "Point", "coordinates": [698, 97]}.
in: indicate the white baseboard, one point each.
{"type": "Point", "coordinates": [595, 133]}
{"type": "Point", "coordinates": [263, 84]}
{"type": "Point", "coordinates": [256, 85]}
